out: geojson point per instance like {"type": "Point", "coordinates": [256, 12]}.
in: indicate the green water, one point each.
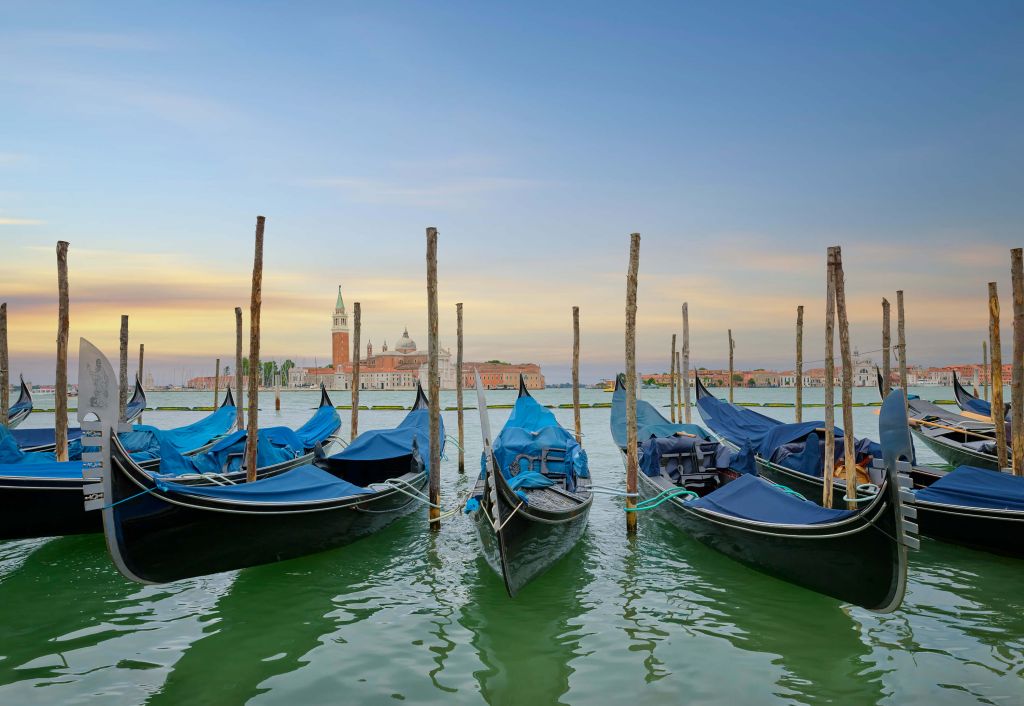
{"type": "Point", "coordinates": [407, 615]}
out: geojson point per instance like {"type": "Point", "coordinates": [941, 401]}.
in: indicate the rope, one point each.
{"type": "Point", "coordinates": [124, 500]}
{"type": "Point", "coordinates": [786, 489]}
{"type": "Point", "coordinates": [657, 500]}
{"type": "Point", "coordinates": [412, 492]}
{"type": "Point", "coordinates": [870, 490]}
{"type": "Point", "coordinates": [511, 515]}
{"type": "Point", "coordinates": [455, 441]}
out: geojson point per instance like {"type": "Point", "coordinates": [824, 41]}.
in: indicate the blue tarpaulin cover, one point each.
{"type": "Point", "coordinates": [378, 444]}
{"type": "Point", "coordinates": [302, 484]}
{"type": "Point", "coordinates": [649, 421]}
{"type": "Point", "coordinates": [43, 469]}
{"type": "Point", "coordinates": [532, 433]}
{"type": "Point", "coordinates": [976, 487]}
{"type": "Point", "coordinates": [753, 498]}
{"type": "Point", "coordinates": [757, 434]}
{"type": "Point", "coordinates": [30, 438]}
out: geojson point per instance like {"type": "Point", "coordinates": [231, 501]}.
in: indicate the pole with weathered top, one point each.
{"type": "Point", "coordinates": [997, 373]}
{"type": "Point", "coordinates": [901, 343]}
{"type": "Point", "coordinates": [277, 391]}
{"type": "Point", "coordinates": [142, 359]}
{"type": "Point", "coordinates": [216, 383]}
{"type": "Point", "coordinates": [732, 347]}
{"type": "Point", "coordinates": [686, 361]}
{"type": "Point", "coordinates": [357, 327]}
{"type": "Point", "coordinates": [122, 402]}
{"type": "Point", "coordinates": [433, 374]}
{"type": "Point", "coordinates": [60, 391]}
{"type": "Point", "coordinates": [631, 430]}
{"type": "Point", "coordinates": [256, 301]}
{"type": "Point", "coordinates": [458, 384]}
{"type": "Point", "coordinates": [830, 374]}
{"type": "Point", "coordinates": [672, 379]}
{"type": "Point", "coordinates": [5, 376]}
{"type": "Point", "coordinates": [576, 374]}
{"type": "Point", "coordinates": [849, 451]}
{"type": "Point", "coordinates": [799, 381]}
{"type": "Point", "coordinates": [680, 381]}
{"type": "Point", "coordinates": [1017, 381]}
{"type": "Point", "coordinates": [886, 345]}
{"type": "Point", "coordinates": [984, 369]}
{"type": "Point", "coordinates": [239, 420]}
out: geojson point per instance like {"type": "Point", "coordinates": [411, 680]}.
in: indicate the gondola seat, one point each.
{"type": "Point", "coordinates": [691, 462]}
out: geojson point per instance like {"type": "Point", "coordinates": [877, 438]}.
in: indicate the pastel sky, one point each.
{"type": "Point", "coordinates": [739, 138]}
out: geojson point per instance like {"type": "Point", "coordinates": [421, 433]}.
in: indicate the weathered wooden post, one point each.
{"type": "Point", "coordinates": [60, 391]}
{"type": "Point", "coordinates": [984, 369]}
{"type": "Point", "coordinates": [732, 348]}
{"type": "Point", "coordinates": [216, 384]}
{"type": "Point", "coordinates": [680, 381]}
{"type": "Point", "coordinates": [672, 379]}
{"type": "Point", "coordinates": [434, 493]}
{"type": "Point", "coordinates": [830, 374]}
{"type": "Point", "coordinates": [886, 345]}
{"type": "Point", "coordinates": [901, 338]}
{"type": "Point", "coordinates": [686, 361]}
{"type": "Point", "coordinates": [122, 375]}
{"type": "Point", "coordinates": [799, 381]}
{"type": "Point", "coordinates": [631, 431]}
{"type": "Point", "coordinates": [1017, 381]}
{"type": "Point", "coordinates": [997, 373]}
{"type": "Point", "coordinates": [458, 386]}
{"type": "Point", "coordinates": [5, 375]}
{"type": "Point", "coordinates": [357, 325]}
{"type": "Point", "coordinates": [576, 374]}
{"type": "Point", "coordinates": [277, 391]}
{"type": "Point", "coordinates": [142, 377]}
{"type": "Point", "coordinates": [255, 303]}
{"type": "Point", "coordinates": [239, 400]}
{"type": "Point", "coordinates": [849, 452]}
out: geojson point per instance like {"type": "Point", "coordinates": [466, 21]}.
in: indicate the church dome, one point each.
{"type": "Point", "coordinates": [405, 344]}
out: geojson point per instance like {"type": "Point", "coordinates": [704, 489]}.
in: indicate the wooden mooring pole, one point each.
{"type": "Point", "coordinates": [357, 325]}
{"type": "Point", "coordinates": [997, 373]}
{"type": "Point", "coordinates": [122, 374]}
{"type": "Point", "coordinates": [886, 344]}
{"type": "Point", "coordinates": [458, 385]}
{"type": "Point", "coordinates": [901, 342]}
{"type": "Point", "coordinates": [830, 374]}
{"type": "Point", "coordinates": [732, 349]}
{"type": "Point", "coordinates": [686, 362]}
{"type": "Point", "coordinates": [142, 377]}
{"type": "Point", "coordinates": [60, 391]}
{"type": "Point", "coordinates": [277, 391]}
{"type": "Point", "coordinates": [849, 452]}
{"type": "Point", "coordinates": [672, 379]}
{"type": "Point", "coordinates": [576, 374]}
{"type": "Point", "coordinates": [239, 400]}
{"type": "Point", "coordinates": [434, 486]}
{"type": "Point", "coordinates": [680, 381]}
{"type": "Point", "coordinates": [5, 362]}
{"type": "Point", "coordinates": [256, 301]}
{"type": "Point", "coordinates": [799, 379]}
{"type": "Point", "coordinates": [984, 369]}
{"type": "Point", "coordinates": [216, 383]}
{"type": "Point", "coordinates": [1017, 381]}
{"type": "Point", "coordinates": [631, 431]}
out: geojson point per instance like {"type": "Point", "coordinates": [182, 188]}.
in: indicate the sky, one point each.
{"type": "Point", "coordinates": [740, 139]}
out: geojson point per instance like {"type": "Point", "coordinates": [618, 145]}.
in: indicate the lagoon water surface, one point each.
{"type": "Point", "coordinates": [408, 615]}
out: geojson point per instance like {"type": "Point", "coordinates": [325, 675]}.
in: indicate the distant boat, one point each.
{"type": "Point", "coordinates": [20, 410]}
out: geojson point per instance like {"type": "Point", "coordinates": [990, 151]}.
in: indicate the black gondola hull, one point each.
{"type": "Point", "coordinates": [996, 531]}
{"type": "Point", "coordinates": [31, 508]}
{"type": "Point", "coordinates": [530, 540]}
{"type": "Point", "coordinates": [158, 540]}
{"type": "Point", "coordinates": [856, 561]}
{"type": "Point", "coordinates": [956, 454]}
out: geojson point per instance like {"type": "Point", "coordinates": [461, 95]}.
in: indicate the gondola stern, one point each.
{"type": "Point", "coordinates": [325, 399]}
{"type": "Point", "coordinates": [422, 402]}
{"type": "Point", "coordinates": [699, 389]}
{"type": "Point", "coordinates": [523, 392]}
{"type": "Point", "coordinates": [229, 399]}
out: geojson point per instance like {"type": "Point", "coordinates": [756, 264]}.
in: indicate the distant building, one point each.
{"type": "Point", "coordinates": [495, 375]}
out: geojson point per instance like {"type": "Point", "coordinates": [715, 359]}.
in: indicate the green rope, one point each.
{"type": "Point", "coordinates": [661, 497]}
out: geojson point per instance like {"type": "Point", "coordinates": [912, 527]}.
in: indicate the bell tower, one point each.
{"type": "Point", "coordinates": [339, 334]}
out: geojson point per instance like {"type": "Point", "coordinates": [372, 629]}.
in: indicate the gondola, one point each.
{"type": "Point", "coordinates": [956, 439]}
{"type": "Point", "coordinates": [21, 408]}
{"type": "Point", "coordinates": [159, 531]}
{"type": "Point", "coordinates": [533, 497]}
{"type": "Point", "coordinates": [789, 454]}
{"type": "Point", "coordinates": [973, 406]}
{"type": "Point", "coordinates": [44, 439]}
{"type": "Point", "coordinates": [856, 556]}
{"type": "Point", "coordinates": [41, 497]}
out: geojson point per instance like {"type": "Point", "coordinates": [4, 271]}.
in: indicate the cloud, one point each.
{"type": "Point", "coordinates": [8, 221]}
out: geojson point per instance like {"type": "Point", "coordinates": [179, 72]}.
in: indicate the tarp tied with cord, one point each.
{"type": "Point", "coordinates": [752, 498]}
{"type": "Point", "coordinates": [649, 421]}
{"type": "Point", "coordinates": [968, 486]}
{"type": "Point", "coordinates": [378, 444]}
